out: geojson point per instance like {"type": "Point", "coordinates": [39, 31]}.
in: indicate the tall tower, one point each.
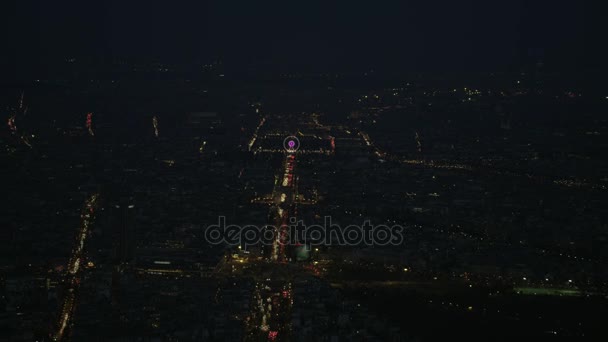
{"type": "Point", "coordinates": [123, 221]}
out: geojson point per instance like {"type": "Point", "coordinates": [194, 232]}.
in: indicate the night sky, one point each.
{"type": "Point", "coordinates": [323, 35]}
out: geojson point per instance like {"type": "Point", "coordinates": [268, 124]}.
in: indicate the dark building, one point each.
{"type": "Point", "coordinates": [123, 222]}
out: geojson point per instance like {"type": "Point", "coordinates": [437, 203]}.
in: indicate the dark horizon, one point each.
{"type": "Point", "coordinates": [311, 36]}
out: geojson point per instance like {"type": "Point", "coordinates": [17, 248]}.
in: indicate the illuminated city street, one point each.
{"type": "Point", "coordinates": [75, 268]}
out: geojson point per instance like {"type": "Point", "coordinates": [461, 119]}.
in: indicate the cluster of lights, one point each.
{"type": "Point", "coordinates": [255, 133]}
{"type": "Point", "coordinates": [89, 124]}
{"type": "Point", "coordinates": [155, 125]}
{"type": "Point", "coordinates": [11, 124]}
